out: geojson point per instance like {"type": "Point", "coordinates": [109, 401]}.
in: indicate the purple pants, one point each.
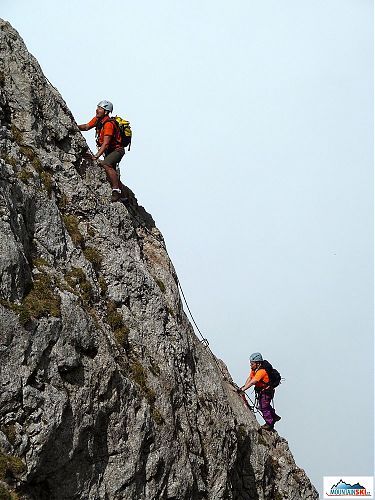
{"type": "Point", "coordinates": [265, 407]}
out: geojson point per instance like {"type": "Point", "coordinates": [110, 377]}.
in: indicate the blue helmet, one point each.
{"type": "Point", "coordinates": [256, 356]}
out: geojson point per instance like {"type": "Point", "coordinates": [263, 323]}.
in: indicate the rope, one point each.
{"type": "Point", "coordinates": [254, 405]}
{"type": "Point", "coordinates": [203, 340]}
{"type": "Point", "coordinates": [50, 83]}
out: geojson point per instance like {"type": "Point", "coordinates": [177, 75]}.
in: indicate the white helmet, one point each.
{"type": "Point", "coordinates": [108, 106]}
{"type": "Point", "coordinates": [256, 356]}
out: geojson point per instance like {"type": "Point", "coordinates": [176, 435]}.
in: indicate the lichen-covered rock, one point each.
{"type": "Point", "coordinates": [106, 393]}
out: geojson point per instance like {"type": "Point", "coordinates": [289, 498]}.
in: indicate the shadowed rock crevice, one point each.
{"type": "Point", "coordinates": [241, 477]}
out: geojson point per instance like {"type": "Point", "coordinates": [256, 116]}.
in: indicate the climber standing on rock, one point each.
{"type": "Point", "coordinates": [109, 142]}
{"type": "Point", "coordinates": [260, 377]}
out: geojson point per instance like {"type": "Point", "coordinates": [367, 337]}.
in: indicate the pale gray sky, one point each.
{"type": "Point", "coordinates": [253, 150]}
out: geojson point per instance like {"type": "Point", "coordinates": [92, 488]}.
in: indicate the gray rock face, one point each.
{"type": "Point", "coordinates": [106, 393]}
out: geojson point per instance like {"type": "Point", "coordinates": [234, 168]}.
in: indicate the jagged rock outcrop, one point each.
{"type": "Point", "coordinates": [106, 393]}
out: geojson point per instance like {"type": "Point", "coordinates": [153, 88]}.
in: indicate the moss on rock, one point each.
{"type": "Point", "coordinates": [103, 285]}
{"type": "Point", "coordinates": [77, 280]}
{"type": "Point", "coordinates": [10, 466]}
{"type": "Point", "coordinates": [17, 134]}
{"type": "Point", "coordinates": [71, 223]}
{"type": "Point", "coordinates": [24, 175]}
{"type": "Point", "coordinates": [6, 494]}
{"type": "Point", "coordinates": [115, 320]}
{"type": "Point", "coordinates": [41, 300]}
{"type": "Point", "coordinates": [160, 285]}
{"type": "Point", "coordinates": [94, 256]}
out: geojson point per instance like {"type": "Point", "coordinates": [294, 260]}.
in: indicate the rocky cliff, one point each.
{"type": "Point", "coordinates": [106, 393]}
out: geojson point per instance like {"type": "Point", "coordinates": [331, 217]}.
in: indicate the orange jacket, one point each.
{"type": "Point", "coordinates": [107, 128]}
{"type": "Point", "coordinates": [261, 377]}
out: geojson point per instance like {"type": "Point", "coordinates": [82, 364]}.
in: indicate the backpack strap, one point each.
{"type": "Point", "coordinates": [266, 385]}
{"type": "Point", "coordinates": [99, 125]}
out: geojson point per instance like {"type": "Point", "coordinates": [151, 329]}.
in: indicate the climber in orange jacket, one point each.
{"type": "Point", "coordinates": [108, 140]}
{"type": "Point", "coordinates": [264, 391]}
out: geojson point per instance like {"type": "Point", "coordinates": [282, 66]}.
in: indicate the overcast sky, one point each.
{"type": "Point", "coordinates": [253, 151]}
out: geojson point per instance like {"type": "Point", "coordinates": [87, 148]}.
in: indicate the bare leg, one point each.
{"type": "Point", "coordinates": [112, 176]}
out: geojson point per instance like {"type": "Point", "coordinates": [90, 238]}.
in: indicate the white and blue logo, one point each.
{"type": "Point", "coordinates": [349, 487]}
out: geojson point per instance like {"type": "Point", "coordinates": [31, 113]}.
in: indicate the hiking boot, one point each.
{"type": "Point", "coordinates": [124, 198]}
{"type": "Point", "coordinates": [116, 195]}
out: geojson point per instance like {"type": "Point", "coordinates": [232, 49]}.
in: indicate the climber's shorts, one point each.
{"type": "Point", "coordinates": [112, 159]}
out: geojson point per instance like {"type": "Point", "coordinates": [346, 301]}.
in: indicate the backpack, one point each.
{"type": "Point", "coordinates": [125, 131]}
{"type": "Point", "coordinates": [273, 374]}
{"type": "Point", "coordinates": [123, 126]}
